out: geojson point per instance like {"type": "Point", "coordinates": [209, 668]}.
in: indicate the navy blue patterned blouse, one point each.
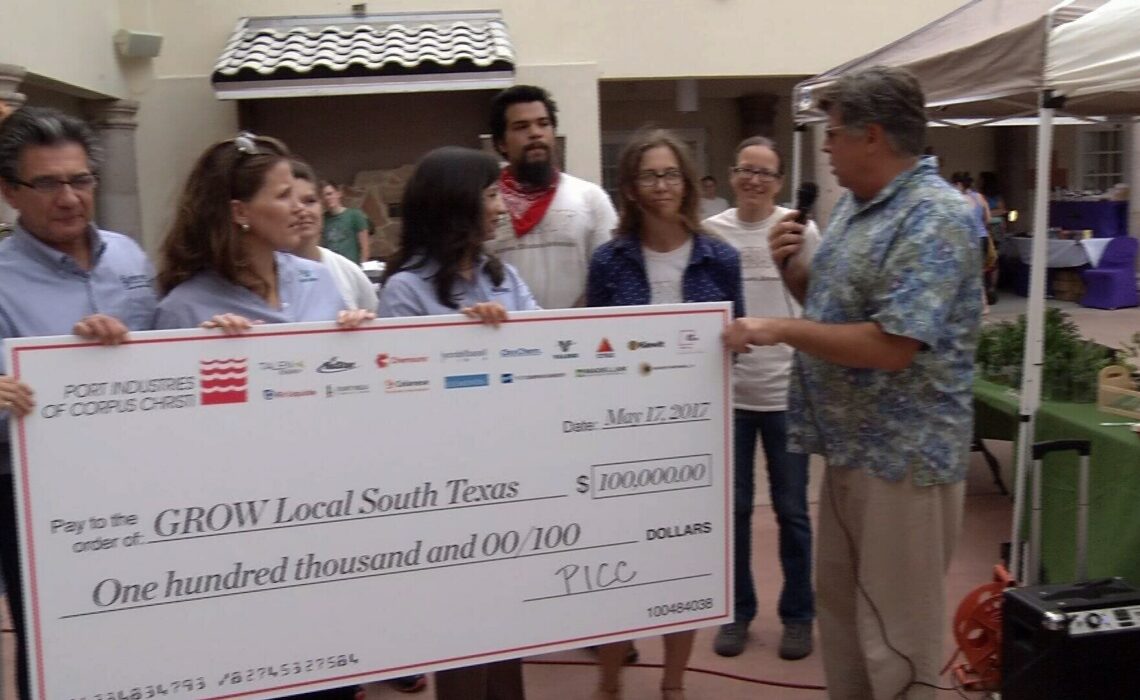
{"type": "Point", "coordinates": [618, 277]}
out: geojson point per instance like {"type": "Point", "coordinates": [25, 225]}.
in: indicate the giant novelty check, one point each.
{"type": "Point", "coordinates": [305, 507]}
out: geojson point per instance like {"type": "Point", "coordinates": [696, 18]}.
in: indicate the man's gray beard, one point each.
{"type": "Point", "coordinates": [539, 173]}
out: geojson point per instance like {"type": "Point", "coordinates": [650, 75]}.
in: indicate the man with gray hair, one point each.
{"type": "Point", "coordinates": [59, 274]}
{"type": "Point", "coordinates": [882, 385]}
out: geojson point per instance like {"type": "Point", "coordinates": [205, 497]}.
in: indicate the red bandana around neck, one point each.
{"type": "Point", "coordinates": [526, 205]}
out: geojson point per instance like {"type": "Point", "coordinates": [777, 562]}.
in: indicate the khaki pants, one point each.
{"type": "Point", "coordinates": [899, 537]}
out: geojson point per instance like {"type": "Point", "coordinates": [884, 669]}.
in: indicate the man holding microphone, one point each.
{"type": "Point", "coordinates": [881, 385]}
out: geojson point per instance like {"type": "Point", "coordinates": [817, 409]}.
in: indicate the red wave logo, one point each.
{"type": "Point", "coordinates": [223, 381]}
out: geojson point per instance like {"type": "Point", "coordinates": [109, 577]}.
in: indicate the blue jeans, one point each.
{"type": "Point", "coordinates": [788, 481]}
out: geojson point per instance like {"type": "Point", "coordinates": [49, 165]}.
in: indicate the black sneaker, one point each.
{"type": "Point", "coordinates": [731, 639]}
{"type": "Point", "coordinates": [796, 641]}
{"type": "Point", "coordinates": [409, 684]}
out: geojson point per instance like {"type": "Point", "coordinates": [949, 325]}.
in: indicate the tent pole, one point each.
{"type": "Point", "coordinates": [1034, 332]}
{"type": "Point", "coordinates": [797, 156]}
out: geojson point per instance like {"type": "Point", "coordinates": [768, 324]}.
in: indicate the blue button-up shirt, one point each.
{"type": "Point", "coordinates": [45, 292]}
{"type": "Point", "coordinates": [907, 260]}
{"type": "Point", "coordinates": [412, 292]}
{"type": "Point", "coordinates": [305, 288]}
{"type": "Point", "coordinates": [618, 276]}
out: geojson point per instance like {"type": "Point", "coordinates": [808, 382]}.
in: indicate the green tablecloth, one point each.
{"type": "Point", "coordinates": [1114, 482]}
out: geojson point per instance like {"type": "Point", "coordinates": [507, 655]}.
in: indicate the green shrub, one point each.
{"type": "Point", "coordinates": [1071, 362]}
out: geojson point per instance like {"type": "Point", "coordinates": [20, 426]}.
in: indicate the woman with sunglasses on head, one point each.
{"type": "Point", "coordinates": [451, 206]}
{"type": "Point", "coordinates": [659, 255]}
{"type": "Point", "coordinates": [222, 265]}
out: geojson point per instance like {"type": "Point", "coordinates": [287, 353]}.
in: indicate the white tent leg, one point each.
{"type": "Point", "coordinates": [797, 157]}
{"type": "Point", "coordinates": [1034, 340]}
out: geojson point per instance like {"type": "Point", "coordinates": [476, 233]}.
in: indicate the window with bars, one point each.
{"type": "Point", "coordinates": [1102, 157]}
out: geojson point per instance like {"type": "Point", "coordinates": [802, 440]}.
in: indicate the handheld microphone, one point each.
{"type": "Point", "coordinates": [806, 195]}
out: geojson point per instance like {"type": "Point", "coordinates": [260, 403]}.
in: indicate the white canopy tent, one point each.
{"type": "Point", "coordinates": [1012, 58]}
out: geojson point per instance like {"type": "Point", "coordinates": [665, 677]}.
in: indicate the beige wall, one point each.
{"type": "Point", "coordinates": [626, 38]}
{"type": "Point", "coordinates": [68, 41]}
{"type": "Point", "coordinates": [178, 120]}
{"type": "Point", "coordinates": [566, 46]}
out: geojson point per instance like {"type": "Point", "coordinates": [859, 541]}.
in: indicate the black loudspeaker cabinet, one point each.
{"type": "Point", "coordinates": [1072, 641]}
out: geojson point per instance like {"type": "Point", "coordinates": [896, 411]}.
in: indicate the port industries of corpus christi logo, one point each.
{"type": "Point", "coordinates": [223, 381]}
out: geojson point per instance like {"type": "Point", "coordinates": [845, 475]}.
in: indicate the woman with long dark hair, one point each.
{"type": "Point", "coordinates": [221, 263]}
{"type": "Point", "coordinates": [451, 206]}
{"type": "Point", "coordinates": [659, 256]}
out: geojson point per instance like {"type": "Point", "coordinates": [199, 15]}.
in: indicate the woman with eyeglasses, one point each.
{"type": "Point", "coordinates": [760, 397]}
{"type": "Point", "coordinates": [659, 255]}
{"type": "Point", "coordinates": [221, 263]}
{"type": "Point", "coordinates": [451, 206]}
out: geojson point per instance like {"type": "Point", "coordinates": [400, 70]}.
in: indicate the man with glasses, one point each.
{"type": "Point", "coordinates": [882, 386]}
{"type": "Point", "coordinates": [760, 381]}
{"type": "Point", "coordinates": [555, 221]}
{"type": "Point", "coordinates": [59, 274]}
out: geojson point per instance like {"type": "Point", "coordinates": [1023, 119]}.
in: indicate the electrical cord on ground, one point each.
{"type": "Point", "coordinates": [690, 669]}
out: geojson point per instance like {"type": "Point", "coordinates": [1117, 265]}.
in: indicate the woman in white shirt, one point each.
{"type": "Point", "coordinates": [355, 288]}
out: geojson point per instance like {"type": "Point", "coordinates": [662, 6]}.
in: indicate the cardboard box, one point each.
{"type": "Point", "coordinates": [1117, 393]}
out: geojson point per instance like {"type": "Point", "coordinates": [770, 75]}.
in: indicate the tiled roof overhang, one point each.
{"type": "Point", "coordinates": [356, 55]}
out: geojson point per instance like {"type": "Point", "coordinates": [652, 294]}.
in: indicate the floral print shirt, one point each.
{"type": "Point", "coordinates": [908, 261]}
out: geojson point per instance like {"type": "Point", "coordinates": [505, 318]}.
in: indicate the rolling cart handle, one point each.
{"type": "Point", "coordinates": [1083, 448]}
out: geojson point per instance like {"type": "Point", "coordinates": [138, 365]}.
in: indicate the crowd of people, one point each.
{"type": "Point", "coordinates": [856, 345]}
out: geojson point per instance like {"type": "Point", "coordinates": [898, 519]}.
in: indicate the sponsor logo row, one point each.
{"type": "Point", "coordinates": [226, 380]}
{"type": "Point", "coordinates": [232, 385]}
{"type": "Point", "coordinates": [687, 341]}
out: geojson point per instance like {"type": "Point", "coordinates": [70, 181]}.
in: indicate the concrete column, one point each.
{"type": "Point", "coordinates": [117, 199]}
{"type": "Point", "coordinates": [11, 99]}
{"type": "Point", "coordinates": [11, 77]}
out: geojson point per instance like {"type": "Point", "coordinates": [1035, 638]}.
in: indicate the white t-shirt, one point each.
{"type": "Point", "coordinates": [711, 207]}
{"type": "Point", "coordinates": [666, 271]}
{"type": "Point", "coordinates": [760, 377]}
{"type": "Point", "coordinates": [354, 286]}
{"type": "Point", "coordinates": [554, 258]}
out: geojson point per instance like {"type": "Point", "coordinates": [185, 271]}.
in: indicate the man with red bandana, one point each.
{"type": "Point", "coordinates": [555, 219]}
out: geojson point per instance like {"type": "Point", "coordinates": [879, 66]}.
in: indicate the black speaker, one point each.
{"type": "Point", "coordinates": [1073, 641]}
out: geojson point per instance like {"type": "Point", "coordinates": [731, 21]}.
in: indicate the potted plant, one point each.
{"type": "Point", "coordinates": [1071, 363]}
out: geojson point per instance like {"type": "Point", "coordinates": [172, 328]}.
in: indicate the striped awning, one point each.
{"type": "Point", "coordinates": [364, 54]}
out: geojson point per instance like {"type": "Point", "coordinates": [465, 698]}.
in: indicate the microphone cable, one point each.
{"type": "Point", "coordinates": [801, 376]}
